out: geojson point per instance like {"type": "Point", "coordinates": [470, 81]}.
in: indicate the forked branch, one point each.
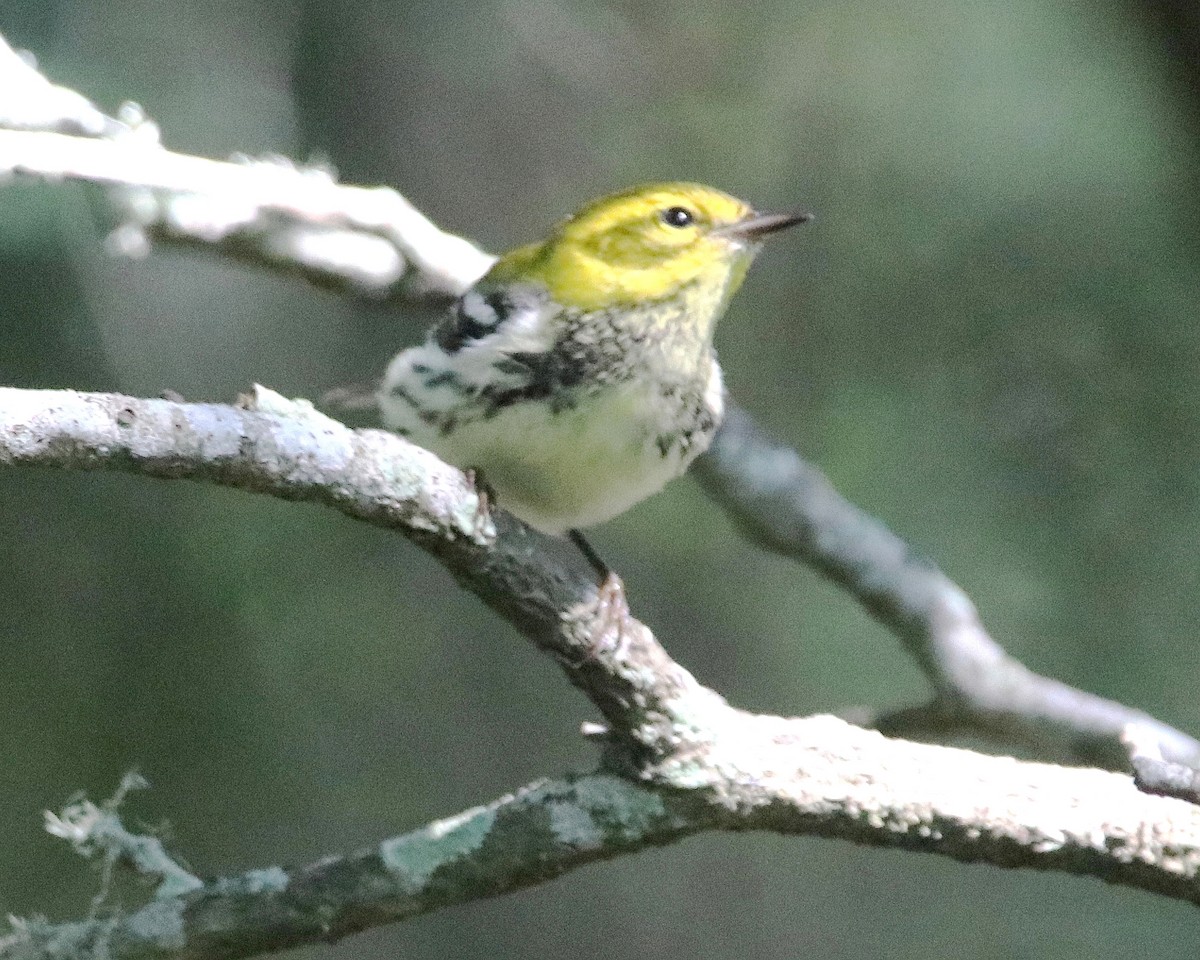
{"type": "Point", "coordinates": [677, 759]}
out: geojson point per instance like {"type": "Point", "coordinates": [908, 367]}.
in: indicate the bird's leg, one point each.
{"type": "Point", "coordinates": [603, 571]}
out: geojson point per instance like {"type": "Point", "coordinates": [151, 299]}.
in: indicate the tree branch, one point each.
{"type": "Point", "coordinates": [786, 505]}
{"type": "Point", "coordinates": [291, 451]}
{"type": "Point", "coordinates": [517, 841]}
{"type": "Point", "coordinates": [678, 759]}
{"type": "Point", "coordinates": [303, 220]}
{"type": "Point", "coordinates": [815, 776]}
{"type": "Point", "coordinates": [678, 744]}
{"type": "Point", "coordinates": [367, 241]}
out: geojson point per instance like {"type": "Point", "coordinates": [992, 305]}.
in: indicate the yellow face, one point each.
{"type": "Point", "coordinates": [640, 245]}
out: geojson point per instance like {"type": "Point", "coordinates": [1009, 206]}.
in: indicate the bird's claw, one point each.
{"type": "Point", "coordinates": [613, 621]}
{"type": "Point", "coordinates": [485, 498]}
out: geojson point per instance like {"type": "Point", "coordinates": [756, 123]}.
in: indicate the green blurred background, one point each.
{"type": "Point", "coordinates": [988, 338]}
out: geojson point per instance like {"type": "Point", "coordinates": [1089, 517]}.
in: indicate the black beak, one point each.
{"type": "Point", "coordinates": [759, 225]}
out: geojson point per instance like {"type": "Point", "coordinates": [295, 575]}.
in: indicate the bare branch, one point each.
{"type": "Point", "coordinates": [678, 759]}
{"type": "Point", "coordinates": [740, 771]}
{"type": "Point", "coordinates": [29, 101]}
{"type": "Point", "coordinates": [291, 451]}
{"type": "Point", "coordinates": [303, 220]}
{"type": "Point", "coordinates": [787, 505]}
{"type": "Point", "coordinates": [365, 239]}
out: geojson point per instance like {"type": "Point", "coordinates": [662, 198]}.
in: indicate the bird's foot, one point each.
{"type": "Point", "coordinates": [613, 623]}
{"type": "Point", "coordinates": [485, 498]}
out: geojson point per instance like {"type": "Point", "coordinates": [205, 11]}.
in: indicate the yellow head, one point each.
{"type": "Point", "coordinates": [645, 244]}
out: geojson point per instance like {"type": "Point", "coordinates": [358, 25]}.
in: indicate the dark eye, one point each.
{"type": "Point", "coordinates": [677, 217]}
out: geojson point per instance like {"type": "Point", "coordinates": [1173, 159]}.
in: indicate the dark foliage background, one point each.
{"type": "Point", "coordinates": [988, 338]}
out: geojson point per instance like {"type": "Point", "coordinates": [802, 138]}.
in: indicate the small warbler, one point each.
{"type": "Point", "coordinates": [578, 375]}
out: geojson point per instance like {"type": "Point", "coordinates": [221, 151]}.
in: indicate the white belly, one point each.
{"type": "Point", "coordinates": [575, 468]}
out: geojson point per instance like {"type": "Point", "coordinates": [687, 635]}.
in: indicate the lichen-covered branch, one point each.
{"type": "Point", "coordinates": [527, 838]}
{"type": "Point", "coordinates": [812, 776]}
{"type": "Point", "coordinates": [677, 758]}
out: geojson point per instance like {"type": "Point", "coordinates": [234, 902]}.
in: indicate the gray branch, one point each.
{"type": "Point", "coordinates": [372, 242]}
{"type": "Point", "coordinates": [786, 505]}
{"type": "Point", "coordinates": [367, 241]}
{"type": "Point", "coordinates": [288, 449]}
{"type": "Point", "coordinates": [679, 759]}
{"type": "Point", "coordinates": [527, 838]}
{"type": "Point", "coordinates": [829, 784]}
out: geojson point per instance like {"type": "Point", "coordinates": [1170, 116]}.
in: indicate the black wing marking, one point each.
{"type": "Point", "coordinates": [477, 315]}
{"type": "Point", "coordinates": [559, 375]}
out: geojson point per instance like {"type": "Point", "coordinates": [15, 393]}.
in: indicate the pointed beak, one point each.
{"type": "Point", "coordinates": [759, 225]}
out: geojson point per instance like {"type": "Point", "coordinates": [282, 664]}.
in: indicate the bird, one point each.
{"type": "Point", "coordinates": [578, 375]}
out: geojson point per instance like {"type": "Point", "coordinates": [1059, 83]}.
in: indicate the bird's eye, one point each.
{"type": "Point", "coordinates": [677, 217]}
